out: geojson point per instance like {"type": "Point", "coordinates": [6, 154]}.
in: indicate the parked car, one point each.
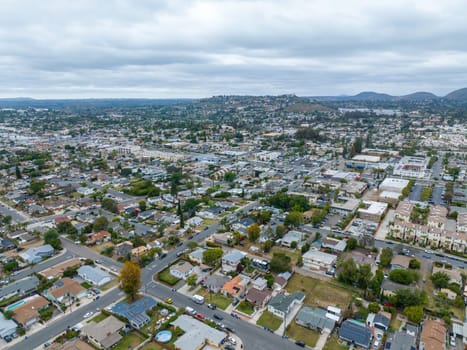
{"type": "Point", "coordinates": [218, 317]}
{"type": "Point", "coordinates": [169, 300]}
{"type": "Point", "coordinates": [300, 343]}
{"type": "Point", "coordinates": [88, 314]}
{"type": "Point", "coordinates": [232, 341]}
{"type": "Point", "coordinates": [212, 306]}
{"type": "Point", "coordinates": [46, 344]}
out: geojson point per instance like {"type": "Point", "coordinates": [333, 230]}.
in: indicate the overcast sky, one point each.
{"type": "Point", "coordinates": [184, 48]}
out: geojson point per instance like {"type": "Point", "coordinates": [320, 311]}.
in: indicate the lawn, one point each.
{"type": "Point", "coordinates": [246, 307]}
{"type": "Point", "coordinates": [320, 293]}
{"type": "Point", "coordinates": [333, 344]}
{"type": "Point", "coordinates": [297, 332]}
{"type": "Point", "coordinates": [109, 285]}
{"type": "Point", "coordinates": [129, 341]}
{"type": "Point", "coordinates": [267, 319]}
{"type": "Point", "coordinates": [152, 346]}
{"type": "Point", "coordinates": [98, 318]}
{"type": "Point", "coordinates": [219, 300]}
{"type": "Point", "coordinates": [395, 323]}
{"type": "Point", "coordinates": [86, 285]}
{"type": "Point", "coordinates": [166, 277]}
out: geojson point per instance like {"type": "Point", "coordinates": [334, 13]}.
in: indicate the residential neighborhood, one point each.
{"type": "Point", "coordinates": [303, 226]}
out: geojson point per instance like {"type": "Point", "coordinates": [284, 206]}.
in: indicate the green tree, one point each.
{"type": "Point", "coordinates": [67, 228]}
{"type": "Point", "coordinates": [280, 262]}
{"type": "Point", "coordinates": [414, 313]}
{"type": "Point", "coordinates": [364, 276]}
{"type": "Point", "coordinates": [351, 243]}
{"type": "Point", "coordinates": [18, 172]}
{"type": "Point", "coordinates": [230, 176]}
{"type": "Point", "coordinates": [130, 279]}
{"type": "Point", "coordinates": [264, 216]}
{"type": "Point", "coordinates": [52, 237]}
{"type": "Point", "coordinates": [110, 205]}
{"type": "Point", "coordinates": [267, 246]}
{"type": "Point", "coordinates": [414, 264]}
{"type": "Point", "coordinates": [270, 279]}
{"type": "Point", "coordinates": [191, 280]}
{"type": "Point", "coordinates": [36, 186]}
{"type": "Point", "coordinates": [348, 273]}
{"type": "Point", "coordinates": [402, 276]}
{"type": "Point", "coordinates": [410, 297]}
{"type": "Point", "coordinates": [373, 307]}
{"type": "Point", "coordinates": [142, 205]}
{"type": "Point", "coordinates": [385, 257]}
{"type": "Point", "coordinates": [294, 218]}
{"type": "Point", "coordinates": [101, 223]}
{"type": "Point", "coordinates": [305, 248]}
{"type": "Point", "coordinates": [440, 279]}
{"type": "Point", "coordinates": [212, 255]}
{"type": "Point", "coordinates": [280, 230]}
{"type": "Point", "coordinates": [376, 281]}
{"type": "Point", "coordinates": [253, 232]}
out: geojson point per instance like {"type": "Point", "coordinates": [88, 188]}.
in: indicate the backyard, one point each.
{"type": "Point", "coordinates": [333, 344]}
{"type": "Point", "coordinates": [320, 293]}
{"type": "Point", "coordinates": [270, 321]}
{"type": "Point", "coordinates": [297, 332]}
{"type": "Point", "coordinates": [129, 341]}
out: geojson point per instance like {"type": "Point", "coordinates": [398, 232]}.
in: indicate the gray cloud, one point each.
{"type": "Point", "coordinates": [183, 48]}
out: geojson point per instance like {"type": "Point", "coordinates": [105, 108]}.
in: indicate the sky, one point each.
{"type": "Point", "coordinates": [192, 49]}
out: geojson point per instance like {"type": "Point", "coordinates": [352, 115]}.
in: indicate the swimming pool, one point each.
{"type": "Point", "coordinates": [15, 305]}
{"type": "Point", "coordinates": [163, 336]}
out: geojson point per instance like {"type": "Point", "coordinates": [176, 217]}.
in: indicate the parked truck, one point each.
{"type": "Point", "coordinates": [198, 299]}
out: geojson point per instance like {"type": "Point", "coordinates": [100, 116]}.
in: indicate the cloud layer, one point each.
{"type": "Point", "coordinates": [184, 48]}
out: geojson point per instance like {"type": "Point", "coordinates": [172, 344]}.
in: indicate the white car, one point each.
{"type": "Point", "coordinates": [232, 341]}
{"type": "Point", "coordinates": [88, 314]}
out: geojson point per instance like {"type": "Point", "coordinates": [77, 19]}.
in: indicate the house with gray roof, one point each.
{"type": "Point", "coordinates": [23, 286]}
{"type": "Point", "coordinates": [215, 282]}
{"type": "Point", "coordinates": [315, 318]}
{"type": "Point", "coordinates": [231, 260]}
{"type": "Point", "coordinates": [292, 236]}
{"type": "Point", "coordinates": [281, 304]}
{"type": "Point", "coordinates": [401, 341]}
{"type": "Point", "coordinates": [135, 312]}
{"type": "Point", "coordinates": [36, 254]}
{"type": "Point", "coordinates": [104, 334]}
{"type": "Point", "coordinates": [197, 255]}
{"type": "Point", "coordinates": [94, 275]}
{"type": "Point", "coordinates": [197, 334]}
{"type": "Point", "coordinates": [7, 327]}
{"type": "Point", "coordinates": [355, 333]}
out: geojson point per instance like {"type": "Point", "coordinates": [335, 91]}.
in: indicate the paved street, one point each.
{"type": "Point", "coordinates": [16, 216]}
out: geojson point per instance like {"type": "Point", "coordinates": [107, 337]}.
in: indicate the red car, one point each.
{"type": "Point", "coordinates": [200, 316]}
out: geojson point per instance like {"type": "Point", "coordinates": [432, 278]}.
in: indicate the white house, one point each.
{"type": "Point", "coordinates": [182, 269]}
{"type": "Point", "coordinates": [317, 260]}
{"type": "Point", "coordinates": [231, 260]}
{"type": "Point", "coordinates": [94, 275]}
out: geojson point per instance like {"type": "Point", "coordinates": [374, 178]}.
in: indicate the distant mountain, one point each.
{"type": "Point", "coordinates": [420, 96]}
{"type": "Point", "coordinates": [457, 95]}
{"type": "Point", "coordinates": [372, 96]}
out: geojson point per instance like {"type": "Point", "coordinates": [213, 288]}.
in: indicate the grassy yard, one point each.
{"type": "Point", "coordinates": [246, 307]}
{"type": "Point", "coordinates": [166, 277]}
{"type": "Point", "coordinates": [333, 344]}
{"type": "Point", "coordinates": [320, 293]}
{"type": "Point", "coordinates": [153, 346]}
{"type": "Point", "coordinates": [109, 285]}
{"type": "Point", "coordinates": [395, 323]}
{"type": "Point", "coordinates": [219, 300]}
{"type": "Point", "coordinates": [129, 341]}
{"type": "Point", "coordinates": [98, 318]}
{"type": "Point", "coordinates": [267, 319]}
{"type": "Point", "coordinates": [86, 285]}
{"type": "Point", "coordinates": [297, 332]}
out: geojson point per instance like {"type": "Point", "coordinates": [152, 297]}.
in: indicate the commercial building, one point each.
{"type": "Point", "coordinates": [373, 211]}
{"type": "Point", "coordinates": [317, 260]}
{"type": "Point", "coordinates": [392, 184]}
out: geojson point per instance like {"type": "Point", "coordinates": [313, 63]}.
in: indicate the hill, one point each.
{"type": "Point", "coordinates": [457, 95]}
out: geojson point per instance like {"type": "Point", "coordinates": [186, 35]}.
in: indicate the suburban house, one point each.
{"type": "Point", "coordinates": [98, 237]}
{"type": "Point", "coordinates": [378, 321]}
{"type": "Point", "coordinates": [181, 269]}
{"type": "Point", "coordinates": [104, 334]}
{"type": "Point", "coordinates": [389, 288]}
{"type": "Point", "coordinates": [94, 275]}
{"type": "Point", "coordinates": [315, 318]}
{"type": "Point", "coordinates": [281, 304]}
{"type": "Point", "coordinates": [197, 335]}
{"type": "Point", "coordinates": [36, 254]}
{"type": "Point", "coordinates": [65, 290]}
{"type": "Point", "coordinates": [138, 252]}
{"type": "Point", "coordinates": [335, 245]}
{"type": "Point", "coordinates": [401, 341]}
{"type": "Point", "coordinates": [292, 236]}
{"type": "Point", "coordinates": [317, 260]}
{"type": "Point", "coordinates": [355, 333]}
{"type": "Point", "coordinates": [433, 335]}
{"type": "Point", "coordinates": [282, 279]}
{"type": "Point", "coordinates": [135, 312]}
{"type": "Point", "coordinates": [235, 287]}
{"type": "Point", "coordinates": [231, 260]}
{"type": "Point", "coordinates": [197, 256]}
{"type": "Point", "coordinates": [28, 313]}
{"type": "Point", "coordinates": [454, 275]}
{"type": "Point", "coordinates": [215, 282]}
{"type": "Point", "coordinates": [23, 286]}
{"type": "Point", "coordinates": [75, 344]}
{"type": "Point", "coordinates": [123, 249]}
{"type": "Point", "coordinates": [7, 327]}
{"type": "Point", "coordinates": [258, 297]}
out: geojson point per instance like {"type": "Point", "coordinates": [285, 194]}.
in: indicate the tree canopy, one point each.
{"type": "Point", "coordinates": [130, 279]}
{"type": "Point", "coordinates": [280, 263]}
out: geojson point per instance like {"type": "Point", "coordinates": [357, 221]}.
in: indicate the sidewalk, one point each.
{"type": "Point", "coordinates": [323, 338]}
